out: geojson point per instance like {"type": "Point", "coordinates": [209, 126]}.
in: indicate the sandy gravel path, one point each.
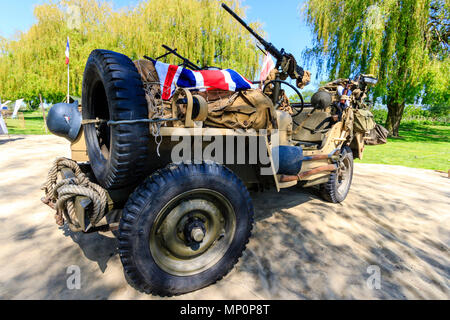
{"type": "Point", "coordinates": [396, 219]}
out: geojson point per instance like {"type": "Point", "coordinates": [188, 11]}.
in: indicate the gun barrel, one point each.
{"type": "Point", "coordinates": [268, 46]}
{"type": "Point", "coordinates": [245, 25]}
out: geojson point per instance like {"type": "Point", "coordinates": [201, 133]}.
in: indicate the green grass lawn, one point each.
{"type": "Point", "coordinates": [419, 146]}
{"type": "Point", "coordinates": [34, 124]}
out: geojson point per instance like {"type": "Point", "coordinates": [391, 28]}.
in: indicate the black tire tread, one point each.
{"type": "Point", "coordinates": [137, 201]}
{"type": "Point", "coordinates": [127, 102]}
{"type": "Point", "coordinates": [328, 190]}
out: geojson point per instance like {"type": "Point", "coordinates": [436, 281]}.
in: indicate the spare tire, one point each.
{"type": "Point", "coordinates": [113, 90]}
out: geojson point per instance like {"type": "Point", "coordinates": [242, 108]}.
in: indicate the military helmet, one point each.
{"type": "Point", "coordinates": [64, 120]}
{"type": "Point", "coordinates": [321, 99]}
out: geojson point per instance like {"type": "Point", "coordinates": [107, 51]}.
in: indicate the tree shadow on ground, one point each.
{"type": "Point", "coordinates": [265, 206]}
{"type": "Point", "coordinates": [290, 257]}
{"type": "Point", "coordinates": [293, 253]}
{"type": "Point", "coordinates": [5, 141]}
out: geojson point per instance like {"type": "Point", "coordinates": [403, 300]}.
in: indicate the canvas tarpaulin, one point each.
{"type": "Point", "coordinates": [378, 135]}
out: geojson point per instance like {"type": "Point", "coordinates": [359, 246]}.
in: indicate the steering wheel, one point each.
{"type": "Point", "coordinates": [297, 109]}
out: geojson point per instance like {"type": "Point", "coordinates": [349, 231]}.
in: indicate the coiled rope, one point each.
{"type": "Point", "coordinates": [61, 195]}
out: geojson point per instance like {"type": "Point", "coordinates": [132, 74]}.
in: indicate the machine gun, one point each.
{"type": "Point", "coordinates": [279, 55]}
{"type": "Point", "coordinates": [284, 59]}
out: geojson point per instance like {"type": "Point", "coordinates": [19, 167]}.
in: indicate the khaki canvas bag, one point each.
{"type": "Point", "coordinates": [246, 109]}
{"type": "Point", "coordinates": [363, 120]}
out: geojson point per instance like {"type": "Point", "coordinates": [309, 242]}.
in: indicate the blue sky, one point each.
{"type": "Point", "coordinates": [281, 20]}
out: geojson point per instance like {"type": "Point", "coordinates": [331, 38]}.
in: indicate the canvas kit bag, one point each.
{"type": "Point", "coordinates": [363, 120]}
{"type": "Point", "coordinates": [249, 109]}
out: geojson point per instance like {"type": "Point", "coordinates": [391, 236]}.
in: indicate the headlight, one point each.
{"type": "Point", "coordinates": [370, 80]}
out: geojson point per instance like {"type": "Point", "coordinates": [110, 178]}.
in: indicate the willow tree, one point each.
{"type": "Point", "coordinates": [393, 39]}
{"type": "Point", "coordinates": [33, 62]}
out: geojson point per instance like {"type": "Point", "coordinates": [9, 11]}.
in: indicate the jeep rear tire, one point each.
{"type": "Point", "coordinates": [113, 90]}
{"type": "Point", "coordinates": [184, 228]}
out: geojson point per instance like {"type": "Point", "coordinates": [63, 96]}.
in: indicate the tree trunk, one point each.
{"type": "Point", "coordinates": [395, 112]}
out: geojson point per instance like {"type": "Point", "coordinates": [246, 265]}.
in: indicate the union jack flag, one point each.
{"type": "Point", "coordinates": [171, 76]}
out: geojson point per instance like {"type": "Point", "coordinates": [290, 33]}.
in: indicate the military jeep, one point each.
{"type": "Point", "coordinates": [181, 168]}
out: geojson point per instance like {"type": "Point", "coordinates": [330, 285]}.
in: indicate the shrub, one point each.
{"type": "Point", "coordinates": [413, 114]}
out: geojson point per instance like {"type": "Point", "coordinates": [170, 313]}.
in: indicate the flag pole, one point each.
{"type": "Point", "coordinates": [68, 78]}
{"type": "Point", "coordinates": [68, 83]}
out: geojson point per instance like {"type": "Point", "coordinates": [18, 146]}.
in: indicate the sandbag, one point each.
{"type": "Point", "coordinates": [363, 120]}
{"type": "Point", "coordinates": [244, 110]}
{"type": "Point", "coordinates": [378, 135]}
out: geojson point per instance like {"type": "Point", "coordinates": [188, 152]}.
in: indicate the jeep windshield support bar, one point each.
{"type": "Point", "coordinates": [186, 62]}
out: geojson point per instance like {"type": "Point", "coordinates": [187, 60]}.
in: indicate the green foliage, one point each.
{"type": "Point", "coordinates": [379, 114]}
{"type": "Point", "coordinates": [34, 124]}
{"type": "Point", "coordinates": [437, 83]}
{"type": "Point", "coordinates": [393, 39]}
{"type": "Point", "coordinates": [307, 94]}
{"type": "Point", "coordinates": [33, 63]}
{"type": "Point", "coordinates": [413, 114]}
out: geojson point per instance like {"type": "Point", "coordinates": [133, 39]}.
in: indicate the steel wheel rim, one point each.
{"type": "Point", "coordinates": [170, 244]}
{"type": "Point", "coordinates": [343, 175]}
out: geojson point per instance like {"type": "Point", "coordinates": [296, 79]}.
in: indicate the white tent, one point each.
{"type": "Point", "coordinates": [3, 128]}
{"type": "Point", "coordinates": [17, 107]}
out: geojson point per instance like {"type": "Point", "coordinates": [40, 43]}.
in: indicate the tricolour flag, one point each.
{"type": "Point", "coordinates": [67, 51]}
{"type": "Point", "coordinates": [268, 65]}
{"type": "Point", "coordinates": [171, 76]}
